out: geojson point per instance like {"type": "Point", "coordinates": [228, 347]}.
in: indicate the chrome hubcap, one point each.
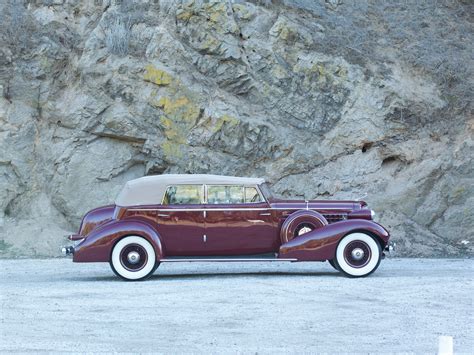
{"type": "Point", "coordinates": [357, 254]}
{"type": "Point", "coordinates": [133, 257]}
{"type": "Point", "coordinates": [304, 230]}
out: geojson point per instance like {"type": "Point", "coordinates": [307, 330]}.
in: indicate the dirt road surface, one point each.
{"type": "Point", "coordinates": [55, 305]}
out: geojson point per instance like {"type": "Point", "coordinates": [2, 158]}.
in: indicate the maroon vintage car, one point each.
{"type": "Point", "coordinates": [182, 218]}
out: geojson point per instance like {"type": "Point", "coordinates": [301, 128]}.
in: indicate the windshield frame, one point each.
{"type": "Point", "coordinates": [266, 192]}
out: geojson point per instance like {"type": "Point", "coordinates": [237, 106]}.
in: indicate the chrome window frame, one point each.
{"type": "Point", "coordinates": [194, 204]}
{"type": "Point", "coordinates": [262, 198]}
{"type": "Point", "coordinates": [242, 187]}
{"type": "Point", "coordinates": [205, 194]}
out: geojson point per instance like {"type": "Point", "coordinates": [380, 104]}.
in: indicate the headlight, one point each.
{"type": "Point", "coordinates": [372, 214]}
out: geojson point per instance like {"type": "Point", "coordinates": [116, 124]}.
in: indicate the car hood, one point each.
{"type": "Point", "coordinates": [324, 205]}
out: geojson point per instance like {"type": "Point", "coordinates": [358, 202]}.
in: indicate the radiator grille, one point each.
{"type": "Point", "coordinates": [332, 218]}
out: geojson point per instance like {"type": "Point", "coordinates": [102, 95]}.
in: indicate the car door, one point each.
{"type": "Point", "coordinates": [238, 222]}
{"type": "Point", "coordinates": [180, 220]}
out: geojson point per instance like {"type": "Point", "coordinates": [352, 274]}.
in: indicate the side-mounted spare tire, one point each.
{"type": "Point", "coordinates": [301, 222]}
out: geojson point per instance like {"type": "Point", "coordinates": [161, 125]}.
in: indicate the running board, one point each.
{"type": "Point", "coordinates": [184, 260]}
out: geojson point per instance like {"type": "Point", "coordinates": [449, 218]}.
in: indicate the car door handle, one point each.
{"type": "Point", "coordinates": [163, 215]}
{"type": "Point", "coordinates": [265, 214]}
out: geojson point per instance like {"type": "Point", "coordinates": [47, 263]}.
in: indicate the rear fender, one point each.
{"type": "Point", "coordinates": [321, 244]}
{"type": "Point", "coordinates": [99, 242]}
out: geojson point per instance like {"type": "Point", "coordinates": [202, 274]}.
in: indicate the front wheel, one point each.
{"type": "Point", "coordinates": [358, 255]}
{"type": "Point", "coordinates": [333, 262]}
{"type": "Point", "coordinates": [133, 258]}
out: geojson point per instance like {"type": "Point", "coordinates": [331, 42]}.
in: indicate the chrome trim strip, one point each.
{"type": "Point", "coordinates": [227, 209]}
{"type": "Point", "coordinates": [223, 260]}
{"type": "Point", "coordinates": [197, 209]}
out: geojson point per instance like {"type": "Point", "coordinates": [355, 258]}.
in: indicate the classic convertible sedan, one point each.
{"type": "Point", "coordinates": [182, 218]}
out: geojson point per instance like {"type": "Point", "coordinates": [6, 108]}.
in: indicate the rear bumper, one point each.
{"type": "Point", "coordinates": [69, 250]}
{"type": "Point", "coordinates": [75, 237]}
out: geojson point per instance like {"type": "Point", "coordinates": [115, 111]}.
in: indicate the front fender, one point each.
{"type": "Point", "coordinates": [321, 244]}
{"type": "Point", "coordinates": [99, 242]}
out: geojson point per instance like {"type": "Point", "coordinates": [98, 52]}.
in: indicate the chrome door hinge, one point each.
{"type": "Point", "coordinates": [205, 214]}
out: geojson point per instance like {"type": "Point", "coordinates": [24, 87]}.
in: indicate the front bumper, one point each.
{"type": "Point", "coordinates": [67, 251]}
{"type": "Point", "coordinates": [390, 248]}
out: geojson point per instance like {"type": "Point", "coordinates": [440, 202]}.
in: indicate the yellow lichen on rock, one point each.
{"type": "Point", "coordinates": [170, 149]}
{"type": "Point", "coordinates": [242, 11]}
{"type": "Point", "coordinates": [180, 115]}
{"type": "Point", "coordinates": [283, 30]}
{"type": "Point", "coordinates": [341, 72]}
{"type": "Point", "coordinates": [183, 15]}
{"type": "Point", "coordinates": [225, 119]}
{"type": "Point", "coordinates": [157, 76]}
{"type": "Point", "coordinates": [217, 11]}
{"type": "Point", "coordinates": [180, 109]}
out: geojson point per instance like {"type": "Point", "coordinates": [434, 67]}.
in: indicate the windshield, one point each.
{"type": "Point", "coordinates": [267, 193]}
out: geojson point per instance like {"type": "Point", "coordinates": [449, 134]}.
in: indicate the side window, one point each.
{"type": "Point", "coordinates": [184, 195]}
{"type": "Point", "coordinates": [252, 195]}
{"type": "Point", "coordinates": [220, 194]}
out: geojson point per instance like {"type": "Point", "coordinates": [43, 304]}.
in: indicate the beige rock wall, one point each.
{"type": "Point", "coordinates": [324, 99]}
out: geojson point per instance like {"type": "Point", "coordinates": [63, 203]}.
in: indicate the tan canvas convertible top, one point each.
{"type": "Point", "coordinates": [149, 190]}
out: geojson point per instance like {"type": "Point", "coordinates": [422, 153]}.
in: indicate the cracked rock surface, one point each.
{"type": "Point", "coordinates": [325, 99]}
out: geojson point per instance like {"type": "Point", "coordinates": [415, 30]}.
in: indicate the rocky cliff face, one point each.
{"type": "Point", "coordinates": [325, 99]}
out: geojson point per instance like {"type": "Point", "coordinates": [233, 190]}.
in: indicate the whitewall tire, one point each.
{"type": "Point", "coordinates": [358, 254]}
{"type": "Point", "coordinates": [133, 258]}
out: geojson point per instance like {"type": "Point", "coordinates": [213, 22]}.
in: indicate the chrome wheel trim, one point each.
{"type": "Point", "coordinates": [357, 254]}
{"type": "Point", "coordinates": [133, 257]}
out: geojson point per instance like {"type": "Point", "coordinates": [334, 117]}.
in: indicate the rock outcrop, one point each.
{"type": "Point", "coordinates": [325, 99]}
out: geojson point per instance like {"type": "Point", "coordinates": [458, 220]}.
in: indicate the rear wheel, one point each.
{"type": "Point", "coordinates": [358, 255]}
{"type": "Point", "coordinates": [133, 258]}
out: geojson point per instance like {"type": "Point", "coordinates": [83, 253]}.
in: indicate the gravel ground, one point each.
{"type": "Point", "coordinates": [55, 305]}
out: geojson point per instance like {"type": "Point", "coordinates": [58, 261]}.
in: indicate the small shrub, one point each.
{"type": "Point", "coordinates": [117, 35]}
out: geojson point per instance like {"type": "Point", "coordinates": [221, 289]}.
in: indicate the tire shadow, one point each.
{"type": "Point", "coordinates": [217, 275]}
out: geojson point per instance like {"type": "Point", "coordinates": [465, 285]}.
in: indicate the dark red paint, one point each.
{"type": "Point", "coordinates": [226, 230]}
